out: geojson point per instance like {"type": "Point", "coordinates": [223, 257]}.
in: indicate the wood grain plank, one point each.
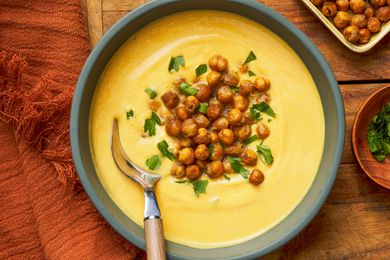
{"type": "Point", "coordinates": [118, 5]}
{"type": "Point", "coordinates": [93, 11]}
{"type": "Point", "coordinates": [346, 64]}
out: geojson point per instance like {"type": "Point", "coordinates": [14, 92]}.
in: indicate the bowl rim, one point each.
{"type": "Point", "coordinates": [358, 117]}
{"type": "Point", "coordinates": [308, 45]}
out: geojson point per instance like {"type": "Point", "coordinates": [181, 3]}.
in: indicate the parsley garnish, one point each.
{"type": "Point", "coordinates": [226, 177]}
{"type": "Point", "coordinates": [163, 147]}
{"type": "Point", "coordinates": [150, 124]}
{"type": "Point", "coordinates": [234, 89]}
{"type": "Point", "coordinates": [237, 167]}
{"type": "Point", "coordinates": [211, 148]}
{"type": "Point", "coordinates": [129, 114]}
{"type": "Point", "coordinates": [251, 73]}
{"type": "Point", "coordinates": [200, 186]}
{"type": "Point", "coordinates": [251, 57]}
{"type": "Point", "coordinates": [187, 90]}
{"type": "Point", "coordinates": [265, 153]}
{"type": "Point", "coordinates": [203, 108]}
{"type": "Point", "coordinates": [201, 69]}
{"type": "Point", "coordinates": [152, 94]}
{"type": "Point", "coordinates": [153, 162]}
{"type": "Point", "coordinates": [261, 107]}
{"type": "Point", "coordinates": [379, 134]}
{"type": "Point", "coordinates": [251, 139]}
{"type": "Point", "coordinates": [175, 63]}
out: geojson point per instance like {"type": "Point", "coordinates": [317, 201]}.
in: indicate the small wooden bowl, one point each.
{"type": "Point", "coordinates": [377, 171]}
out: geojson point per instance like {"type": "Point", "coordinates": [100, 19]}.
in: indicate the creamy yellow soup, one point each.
{"type": "Point", "coordinates": [231, 211]}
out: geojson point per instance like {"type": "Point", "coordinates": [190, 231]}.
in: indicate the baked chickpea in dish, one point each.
{"type": "Point", "coordinates": [249, 157]}
{"type": "Point", "coordinates": [240, 102]}
{"type": "Point", "coordinates": [189, 128]}
{"type": "Point", "coordinates": [218, 63]}
{"type": "Point", "coordinates": [215, 169]}
{"type": "Point", "coordinates": [214, 78]}
{"type": "Point", "coordinates": [193, 172]}
{"type": "Point", "coordinates": [170, 100]}
{"type": "Point", "coordinates": [202, 152]}
{"type": "Point", "coordinates": [262, 130]}
{"type": "Point", "coordinates": [225, 95]}
{"type": "Point", "coordinates": [231, 78]}
{"type": "Point", "coordinates": [191, 103]}
{"type": "Point", "coordinates": [226, 136]}
{"type": "Point", "coordinates": [256, 177]}
{"type": "Point", "coordinates": [173, 127]}
{"type": "Point", "coordinates": [262, 84]}
{"type": "Point", "coordinates": [187, 156]}
{"type": "Point", "coordinates": [234, 116]}
{"type": "Point", "coordinates": [182, 113]}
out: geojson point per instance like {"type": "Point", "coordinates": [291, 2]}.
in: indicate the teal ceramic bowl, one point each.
{"type": "Point", "coordinates": [315, 62]}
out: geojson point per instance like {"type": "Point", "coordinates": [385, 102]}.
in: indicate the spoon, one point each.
{"type": "Point", "coordinates": [154, 235]}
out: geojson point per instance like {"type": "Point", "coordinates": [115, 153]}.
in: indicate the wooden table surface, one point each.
{"type": "Point", "coordinates": [354, 223]}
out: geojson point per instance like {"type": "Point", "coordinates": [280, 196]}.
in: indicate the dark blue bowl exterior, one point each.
{"type": "Point", "coordinates": [315, 62]}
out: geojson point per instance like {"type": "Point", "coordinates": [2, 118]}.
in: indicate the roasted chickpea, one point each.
{"type": "Point", "coordinates": [173, 126]}
{"type": "Point", "coordinates": [342, 5]}
{"type": "Point", "coordinates": [214, 112]}
{"type": "Point", "coordinates": [221, 123]}
{"type": "Point", "coordinates": [316, 2]}
{"type": "Point", "coordinates": [215, 169]}
{"type": "Point", "coordinates": [249, 157]}
{"type": "Point", "coordinates": [201, 120]}
{"type": "Point", "coordinates": [214, 137]}
{"type": "Point", "coordinates": [193, 172]}
{"type": "Point", "coordinates": [262, 130]}
{"type": "Point", "coordinates": [178, 170]}
{"type": "Point", "coordinates": [201, 164]}
{"type": "Point", "coordinates": [359, 20]}
{"type": "Point", "coordinates": [202, 152]}
{"type": "Point", "coordinates": [246, 87]}
{"type": "Point", "coordinates": [248, 118]}
{"type": "Point", "coordinates": [227, 167]}
{"type": "Point", "coordinates": [215, 102]}
{"type": "Point", "coordinates": [341, 19]}
{"type": "Point", "coordinates": [351, 33]}
{"type": "Point", "coordinates": [369, 12]}
{"type": "Point", "coordinates": [364, 35]}
{"type": "Point", "coordinates": [203, 136]}
{"type": "Point", "coordinates": [234, 149]}
{"type": "Point", "coordinates": [218, 63]}
{"type": "Point", "coordinates": [234, 116]}
{"type": "Point", "coordinates": [262, 84]}
{"type": "Point", "coordinates": [231, 78]}
{"type": "Point", "coordinates": [189, 128]}
{"type": "Point", "coordinates": [226, 136]}
{"type": "Point", "coordinates": [170, 99]}
{"type": "Point", "coordinates": [218, 153]}
{"type": "Point", "coordinates": [388, 2]}
{"type": "Point", "coordinates": [357, 6]}
{"type": "Point", "coordinates": [377, 3]}
{"type": "Point", "coordinates": [191, 103]}
{"type": "Point", "coordinates": [256, 177]}
{"type": "Point", "coordinates": [214, 78]}
{"type": "Point", "coordinates": [244, 68]}
{"type": "Point", "coordinates": [225, 95]}
{"type": "Point", "coordinates": [374, 25]}
{"type": "Point", "coordinates": [329, 9]}
{"type": "Point", "coordinates": [240, 102]}
{"type": "Point", "coordinates": [182, 113]}
{"type": "Point", "coordinates": [383, 13]}
{"type": "Point", "coordinates": [243, 132]}
{"type": "Point", "coordinates": [186, 142]}
{"type": "Point", "coordinates": [186, 156]}
{"type": "Point", "coordinates": [204, 92]}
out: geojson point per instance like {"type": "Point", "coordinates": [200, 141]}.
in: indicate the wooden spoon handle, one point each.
{"type": "Point", "coordinates": [154, 236]}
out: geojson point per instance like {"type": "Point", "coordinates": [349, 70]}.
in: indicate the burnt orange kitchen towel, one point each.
{"type": "Point", "coordinates": [44, 213]}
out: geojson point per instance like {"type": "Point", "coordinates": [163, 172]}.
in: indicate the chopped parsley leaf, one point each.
{"type": "Point", "coordinates": [251, 139]}
{"type": "Point", "coordinates": [265, 153]}
{"type": "Point", "coordinates": [152, 94]}
{"type": "Point", "coordinates": [203, 108]}
{"type": "Point", "coordinates": [201, 69]}
{"type": "Point", "coordinates": [187, 90]}
{"type": "Point", "coordinates": [150, 124]}
{"type": "Point", "coordinates": [200, 186]}
{"type": "Point", "coordinates": [226, 177]}
{"type": "Point", "coordinates": [153, 162]}
{"type": "Point", "coordinates": [251, 73]}
{"type": "Point", "coordinates": [163, 147]}
{"type": "Point", "coordinates": [175, 63]}
{"type": "Point", "coordinates": [251, 57]}
{"type": "Point", "coordinates": [237, 167]}
{"type": "Point", "coordinates": [129, 114]}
